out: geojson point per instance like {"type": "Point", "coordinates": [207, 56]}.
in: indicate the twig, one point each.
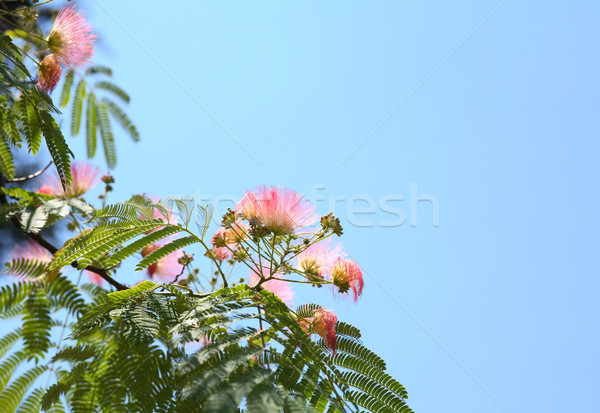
{"type": "Point", "coordinates": [100, 271]}
{"type": "Point", "coordinates": [31, 176]}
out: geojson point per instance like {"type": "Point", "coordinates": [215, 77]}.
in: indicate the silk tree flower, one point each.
{"type": "Point", "coordinates": [85, 177]}
{"type": "Point", "coordinates": [323, 323]}
{"type": "Point", "coordinates": [281, 289]}
{"type": "Point", "coordinates": [346, 275]}
{"type": "Point", "coordinates": [281, 210]}
{"type": "Point", "coordinates": [49, 72]}
{"type": "Point", "coordinates": [30, 250]}
{"type": "Point", "coordinates": [226, 239]}
{"type": "Point", "coordinates": [72, 38]}
{"type": "Point", "coordinates": [167, 268]}
{"type": "Point", "coordinates": [319, 258]}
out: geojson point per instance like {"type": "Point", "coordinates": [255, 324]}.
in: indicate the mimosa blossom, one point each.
{"type": "Point", "coordinates": [71, 39]}
{"type": "Point", "coordinates": [346, 275]}
{"type": "Point", "coordinates": [31, 251]}
{"type": "Point", "coordinates": [281, 289]}
{"type": "Point", "coordinates": [84, 178]}
{"type": "Point", "coordinates": [320, 258]}
{"type": "Point", "coordinates": [324, 322]}
{"type": "Point", "coordinates": [49, 73]}
{"type": "Point", "coordinates": [281, 210]}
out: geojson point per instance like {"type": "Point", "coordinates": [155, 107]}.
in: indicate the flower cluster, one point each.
{"type": "Point", "coordinates": [275, 232]}
{"type": "Point", "coordinates": [71, 43]}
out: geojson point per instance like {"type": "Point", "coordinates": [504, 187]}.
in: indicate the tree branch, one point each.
{"type": "Point", "coordinates": [31, 176]}
{"type": "Point", "coordinates": [44, 243]}
{"type": "Point", "coordinates": [100, 271]}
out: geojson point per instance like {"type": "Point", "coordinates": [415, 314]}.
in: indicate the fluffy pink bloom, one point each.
{"type": "Point", "coordinates": [228, 238]}
{"type": "Point", "coordinates": [166, 268]}
{"type": "Point", "coordinates": [71, 38]}
{"type": "Point", "coordinates": [324, 324]}
{"type": "Point", "coordinates": [29, 250]}
{"type": "Point", "coordinates": [84, 178]}
{"type": "Point", "coordinates": [346, 275]}
{"type": "Point", "coordinates": [49, 73]}
{"type": "Point", "coordinates": [281, 289]}
{"type": "Point", "coordinates": [280, 210]}
{"type": "Point", "coordinates": [320, 258]}
{"type": "Point", "coordinates": [95, 278]}
{"type": "Point", "coordinates": [32, 251]}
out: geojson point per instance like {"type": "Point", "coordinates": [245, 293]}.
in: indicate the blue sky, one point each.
{"type": "Point", "coordinates": [489, 107]}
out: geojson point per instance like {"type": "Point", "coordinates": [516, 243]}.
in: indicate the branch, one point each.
{"type": "Point", "coordinates": [30, 176]}
{"type": "Point", "coordinates": [100, 271]}
{"type": "Point", "coordinates": [37, 238]}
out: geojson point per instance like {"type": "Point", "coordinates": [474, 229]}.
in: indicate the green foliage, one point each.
{"type": "Point", "coordinates": [98, 113]}
{"type": "Point", "coordinates": [148, 348]}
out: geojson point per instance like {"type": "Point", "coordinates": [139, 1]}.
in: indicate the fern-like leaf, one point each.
{"type": "Point", "coordinates": [66, 91]}
{"type": "Point", "coordinates": [111, 87]}
{"type": "Point", "coordinates": [165, 250]}
{"type": "Point", "coordinates": [121, 117]}
{"type": "Point", "coordinates": [7, 162]}
{"type": "Point", "coordinates": [77, 107]}
{"type": "Point", "coordinates": [91, 126]}
{"type": "Point", "coordinates": [108, 140]}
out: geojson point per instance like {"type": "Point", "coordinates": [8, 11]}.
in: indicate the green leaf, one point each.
{"type": "Point", "coordinates": [77, 107]}
{"type": "Point", "coordinates": [138, 245]}
{"type": "Point", "coordinates": [121, 117]}
{"type": "Point", "coordinates": [7, 162]}
{"type": "Point", "coordinates": [111, 87]}
{"type": "Point", "coordinates": [91, 126]}
{"type": "Point", "coordinates": [66, 91]}
{"type": "Point", "coordinates": [108, 140]}
{"type": "Point", "coordinates": [29, 119]}
{"type": "Point", "coordinates": [99, 69]}
{"type": "Point", "coordinates": [36, 324]}
{"type": "Point", "coordinates": [59, 150]}
{"type": "Point", "coordinates": [165, 250]}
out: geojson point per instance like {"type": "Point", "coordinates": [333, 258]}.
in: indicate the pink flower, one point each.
{"type": "Point", "coordinates": [319, 258]}
{"type": "Point", "coordinates": [324, 324]}
{"type": "Point", "coordinates": [228, 238]}
{"type": "Point", "coordinates": [84, 178]}
{"type": "Point", "coordinates": [71, 38]}
{"type": "Point", "coordinates": [46, 189]}
{"type": "Point", "coordinates": [49, 73]}
{"type": "Point", "coordinates": [281, 210]}
{"type": "Point", "coordinates": [346, 275]}
{"type": "Point", "coordinates": [281, 289]}
{"type": "Point", "coordinates": [95, 278]}
{"type": "Point", "coordinates": [31, 251]}
{"type": "Point", "coordinates": [166, 268]}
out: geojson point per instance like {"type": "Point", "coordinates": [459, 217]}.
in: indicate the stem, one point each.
{"type": "Point", "coordinates": [30, 176]}
{"type": "Point", "coordinates": [26, 7]}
